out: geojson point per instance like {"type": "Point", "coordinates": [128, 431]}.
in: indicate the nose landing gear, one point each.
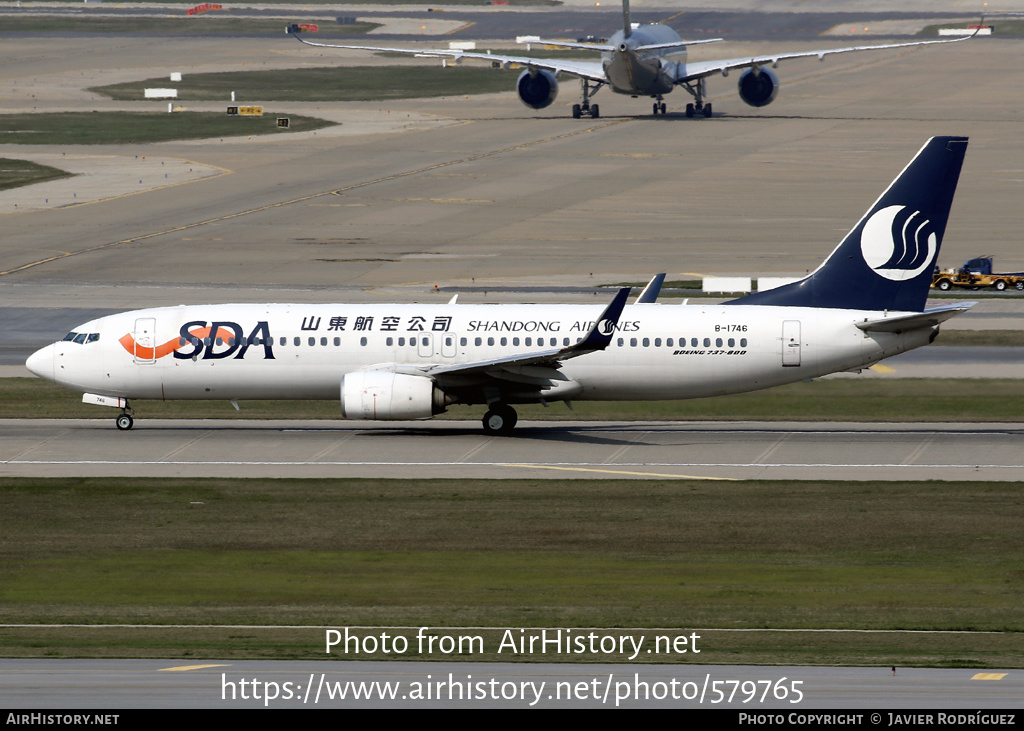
{"type": "Point", "coordinates": [124, 420]}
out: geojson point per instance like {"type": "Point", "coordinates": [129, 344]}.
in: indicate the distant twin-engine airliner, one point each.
{"type": "Point", "coordinates": [646, 60]}
{"type": "Point", "coordinates": [410, 361]}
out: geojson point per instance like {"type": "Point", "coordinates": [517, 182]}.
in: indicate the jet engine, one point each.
{"type": "Point", "coordinates": [758, 87]}
{"type": "Point", "coordinates": [537, 88]}
{"type": "Point", "coordinates": [384, 395]}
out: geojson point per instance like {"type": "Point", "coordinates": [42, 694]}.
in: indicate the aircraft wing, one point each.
{"type": "Point", "coordinates": [592, 70]}
{"type": "Point", "coordinates": [542, 364]}
{"type": "Point", "coordinates": [701, 69]}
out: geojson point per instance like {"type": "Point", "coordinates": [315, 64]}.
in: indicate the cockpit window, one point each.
{"type": "Point", "coordinates": [81, 338]}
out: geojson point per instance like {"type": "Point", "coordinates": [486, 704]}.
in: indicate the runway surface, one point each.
{"type": "Point", "coordinates": [127, 684]}
{"type": "Point", "coordinates": [552, 450]}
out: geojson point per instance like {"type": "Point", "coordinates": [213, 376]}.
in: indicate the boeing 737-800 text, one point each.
{"type": "Point", "coordinates": [410, 361]}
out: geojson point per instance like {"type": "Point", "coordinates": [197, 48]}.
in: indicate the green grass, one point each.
{"type": "Point", "coordinates": [16, 173]}
{"type": "Point", "coordinates": [210, 24]}
{"type": "Point", "coordinates": [351, 83]}
{"type": "Point", "coordinates": [840, 399]}
{"type": "Point", "coordinates": [106, 128]}
{"type": "Point", "coordinates": [516, 553]}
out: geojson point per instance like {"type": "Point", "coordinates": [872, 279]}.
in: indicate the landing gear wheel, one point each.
{"type": "Point", "coordinates": [124, 422]}
{"type": "Point", "coordinates": [690, 112]}
{"type": "Point", "coordinates": [595, 111]}
{"type": "Point", "coordinates": [500, 420]}
{"type": "Point", "coordinates": [707, 111]}
{"type": "Point", "coordinates": [576, 111]}
{"type": "Point", "coordinates": [664, 108]}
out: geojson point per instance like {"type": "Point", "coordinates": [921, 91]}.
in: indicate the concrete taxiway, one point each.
{"type": "Point", "coordinates": [500, 194]}
{"type": "Point", "coordinates": [543, 450]}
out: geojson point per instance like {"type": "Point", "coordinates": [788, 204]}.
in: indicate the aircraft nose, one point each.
{"type": "Point", "coordinates": [41, 363]}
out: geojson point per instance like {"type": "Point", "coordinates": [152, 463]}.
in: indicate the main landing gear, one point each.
{"type": "Point", "coordinates": [698, 106]}
{"type": "Point", "coordinates": [693, 110]}
{"type": "Point", "coordinates": [500, 419]}
{"type": "Point", "coordinates": [585, 107]}
{"type": "Point", "coordinates": [124, 420]}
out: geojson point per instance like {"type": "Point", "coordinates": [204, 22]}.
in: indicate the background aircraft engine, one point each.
{"type": "Point", "coordinates": [758, 89]}
{"type": "Point", "coordinates": [384, 395]}
{"type": "Point", "coordinates": [538, 90]}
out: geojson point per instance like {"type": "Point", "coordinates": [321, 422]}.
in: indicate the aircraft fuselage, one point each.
{"type": "Point", "coordinates": [649, 72]}
{"type": "Point", "coordinates": [282, 351]}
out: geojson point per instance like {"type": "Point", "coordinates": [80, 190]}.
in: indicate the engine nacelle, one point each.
{"type": "Point", "coordinates": [383, 395]}
{"type": "Point", "coordinates": [758, 88]}
{"type": "Point", "coordinates": [537, 90]}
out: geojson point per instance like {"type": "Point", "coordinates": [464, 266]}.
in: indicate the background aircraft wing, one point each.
{"type": "Point", "coordinates": [592, 70]}
{"type": "Point", "coordinates": [700, 69]}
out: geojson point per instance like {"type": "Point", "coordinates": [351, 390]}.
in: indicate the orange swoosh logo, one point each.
{"type": "Point", "coordinates": [146, 353]}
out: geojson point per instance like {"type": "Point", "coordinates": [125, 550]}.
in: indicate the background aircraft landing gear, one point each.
{"type": "Point", "coordinates": [124, 420]}
{"type": "Point", "coordinates": [500, 419]}
{"type": "Point", "coordinates": [698, 90]}
{"type": "Point", "coordinates": [585, 107]}
{"type": "Point", "coordinates": [692, 110]}
{"type": "Point", "coordinates": [578, 110]}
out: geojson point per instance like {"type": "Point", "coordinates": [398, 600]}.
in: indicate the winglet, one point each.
{"type": "Point", "coordinates": [650, 294]}
{"type": "Point", "coordinates": [600, 335]}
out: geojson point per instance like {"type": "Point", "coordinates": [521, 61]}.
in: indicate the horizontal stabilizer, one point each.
{"type": "Point", "coordinates": [928, 318]}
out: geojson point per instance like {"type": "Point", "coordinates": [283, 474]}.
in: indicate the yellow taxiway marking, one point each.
{"type": "Point", "coordinates": [988, 676]}
{"type": "Point", "coordinates": [193, 667]}
{"type": "Point", "coordinates": [470, 24]}
{"type": "Point", "coordinates": [879, 368]}
{"type": "Point", "coordinates": [682, 12]}
{"type": "Point", "coordinates": [618, 472]}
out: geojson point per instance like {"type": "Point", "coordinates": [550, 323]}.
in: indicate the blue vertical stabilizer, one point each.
{"type": "Point", "coordinates": [886, 261]}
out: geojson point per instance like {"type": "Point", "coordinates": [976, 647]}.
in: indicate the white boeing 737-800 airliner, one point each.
{"type": "Point", "coordinates": [864, 303]}
{"type": "Point", "coordinates": [639, 60]}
